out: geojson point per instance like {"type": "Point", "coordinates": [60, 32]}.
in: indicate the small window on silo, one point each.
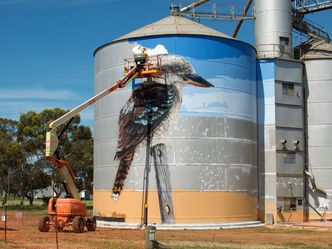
{"type": "Point", "coordinates": [299, 202]}
{"type": "Point", "coordinates": [288, 89]}
{"type": "Point", "coordinates": [284, 41]}
{"type": "Point", "coordinates": [284, 44]}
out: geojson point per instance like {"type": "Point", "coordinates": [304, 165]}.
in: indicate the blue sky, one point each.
{"type": "Point", "coordinates": [46, 47]}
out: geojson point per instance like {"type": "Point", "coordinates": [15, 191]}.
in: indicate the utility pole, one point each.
{"type": "Point", "coordinates": [4, 214]}
{"type": "Point", "coordinates": [22, 196]}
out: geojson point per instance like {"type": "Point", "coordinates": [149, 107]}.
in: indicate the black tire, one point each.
{"type": "Point", "coordinates": [93, 224]}
{"type": "Point", "coordinates": [89, 224]}
{"type": "Point", "coordinates": [44, 224]}
{"type": "Point", "coordinates": [78, 224]}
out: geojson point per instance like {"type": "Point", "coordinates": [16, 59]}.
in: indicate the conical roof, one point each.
{"type": "Point", "coordinates": [172, 25]}
{"type": "Point", "coordinates": [315, 49]}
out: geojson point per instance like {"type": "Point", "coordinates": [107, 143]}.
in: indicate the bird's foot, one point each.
{"type": "Point", "coordinates": [115, 196]}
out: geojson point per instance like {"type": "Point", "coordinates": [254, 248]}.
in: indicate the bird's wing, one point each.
{"type": "Point", "coordinates": [148, 103]}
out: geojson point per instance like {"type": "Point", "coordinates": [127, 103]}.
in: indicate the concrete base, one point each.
{"type": "Point", "coordinates": [208, 226]}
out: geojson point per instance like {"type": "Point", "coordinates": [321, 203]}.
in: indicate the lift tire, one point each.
{"type": "Point", "coordinates": [92, 225]}
{"type": "Point", "coordinates": [44, 224]}
{"type": "Point", "coordinates": [78, 224]}
{"type": "Point", "coordinates": [88, 224]}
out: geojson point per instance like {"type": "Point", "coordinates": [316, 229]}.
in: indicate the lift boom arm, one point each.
{"type": "Point", "coordinates": [142, 66]}
{"type": "Point", "coordinates": [51, 136]}
{"type": "Point", "coordinates": [52, 139]}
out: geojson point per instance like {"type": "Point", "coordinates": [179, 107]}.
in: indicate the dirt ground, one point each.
{"type": "Point", "coordinates": [26, 235]}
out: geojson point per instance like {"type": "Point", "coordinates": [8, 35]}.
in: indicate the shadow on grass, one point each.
{"type": "Point", "coordinates": [8, 229]}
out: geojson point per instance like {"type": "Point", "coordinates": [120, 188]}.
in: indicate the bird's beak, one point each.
{"type": "Point", "coordinates": [196, 80]}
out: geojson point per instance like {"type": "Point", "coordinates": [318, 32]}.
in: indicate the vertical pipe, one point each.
{"type": "Point", "coordinates": [306, 204]}
{"type": "Point", "coordinates": [147, 167]}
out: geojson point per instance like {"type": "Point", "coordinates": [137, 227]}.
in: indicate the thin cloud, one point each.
{"type": "Point", "coordinates": [37, 94]}
{"type": "Point", "coordinates": [13, 109]}
{"type": "Point", "coordinates": [84, 2]}
{"type": "Point", "coordinates": [55, 3]}
{"type": "Point", "coordinates": [12, 2]}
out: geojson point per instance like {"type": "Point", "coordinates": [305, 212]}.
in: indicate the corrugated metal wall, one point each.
{"type": "Point", "coordinates": [319, 110]}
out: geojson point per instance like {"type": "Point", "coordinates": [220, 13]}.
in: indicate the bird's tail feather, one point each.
{"type": "Point", "coordinates": [122, 173]}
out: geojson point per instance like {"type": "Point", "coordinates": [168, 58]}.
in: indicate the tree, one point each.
{"type": "Point", "coordinates": [11, 153]}
{"type": "Point", "coordinates": [76, 146]}
{"type": "Point", "coordinates": [80, 148]}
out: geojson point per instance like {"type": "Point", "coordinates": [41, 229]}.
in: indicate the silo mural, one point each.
{"type": "Point", "coordinates": [206, 136]}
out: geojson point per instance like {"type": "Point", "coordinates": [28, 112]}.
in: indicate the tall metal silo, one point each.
{"type": "Point", "coordinates": [211, 144]}
{"type": "Point", "coordinates": [273, 28]}
{"type": "Point", "coordinates": [318, 63]}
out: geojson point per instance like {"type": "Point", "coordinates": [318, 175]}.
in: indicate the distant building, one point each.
{"type": "Point", "coordinates": [46, 192]}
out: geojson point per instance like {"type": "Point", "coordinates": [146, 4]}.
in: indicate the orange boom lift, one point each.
{"type": "Point", "coordinates": [71, 211]}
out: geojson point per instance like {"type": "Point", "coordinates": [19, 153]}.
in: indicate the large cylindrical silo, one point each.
{"type": "Point", "coordinates": [318, 64]}
{"type": "Point", "coordinates": [211, 144]}
{"type": "Point", "coordinates": [273, 28]}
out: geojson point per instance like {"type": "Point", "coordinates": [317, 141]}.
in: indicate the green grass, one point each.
{"type": "Point", "coordinates": [15, 204]}
{"type": "Point", "coordinates": [292, 245]}
{"type": "Point", "coordinates": [235, 246]}
{"type": "Point", "coordinates": [198, 247]}
{"type": "Point", "coordinates": [89, 204]}
{"type": "Point", "coordinates": [39, 206]}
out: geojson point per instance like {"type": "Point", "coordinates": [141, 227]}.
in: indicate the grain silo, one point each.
{"type": "Point", "coordinates": [317, 56]}
{"type": "Point", "coordinates": [273, 29]}
{"type": "Point", "coordinates": [211, 144]}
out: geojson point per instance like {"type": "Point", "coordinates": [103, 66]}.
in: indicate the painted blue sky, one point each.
{"type": "Point", "coordinates": [46, 47]}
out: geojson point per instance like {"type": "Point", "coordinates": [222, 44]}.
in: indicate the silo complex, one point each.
{"type": "Point", "coordinates": [318, 64]}
{"type": "Point", "coordinates": [211, 143]}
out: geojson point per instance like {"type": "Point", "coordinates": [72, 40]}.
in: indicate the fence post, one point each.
{"type": "Point", "coordinates": [163, 180]}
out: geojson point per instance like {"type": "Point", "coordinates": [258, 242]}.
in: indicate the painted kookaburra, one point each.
{"type": "Point", "coordinates": [154, 101]}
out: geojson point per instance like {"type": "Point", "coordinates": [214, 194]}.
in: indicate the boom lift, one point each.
{"type": "Point", "coordinates": [72, 211]}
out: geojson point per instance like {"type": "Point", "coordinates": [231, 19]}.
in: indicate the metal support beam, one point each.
{"type": "Point", "coordinates": [310, 6]}
{"type": "Point", "coordinates": [216, 16]}
{"type": "Point", "coordinates": [244, 13]}
{"type": "Point", "coordinates": [309, 28]}
{"type": "Point", "coordinates": [214, 10]}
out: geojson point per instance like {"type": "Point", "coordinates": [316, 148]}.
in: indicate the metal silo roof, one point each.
{"type": "Point", "coordinates": [316, 49]}
{"type": "Point", "coordinates": [174, 25]}
{"type": "Point", "coordinates": [171, 25]}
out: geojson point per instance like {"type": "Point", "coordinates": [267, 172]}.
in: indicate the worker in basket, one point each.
{"type": "Point", "coordinates": [141, 58]}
